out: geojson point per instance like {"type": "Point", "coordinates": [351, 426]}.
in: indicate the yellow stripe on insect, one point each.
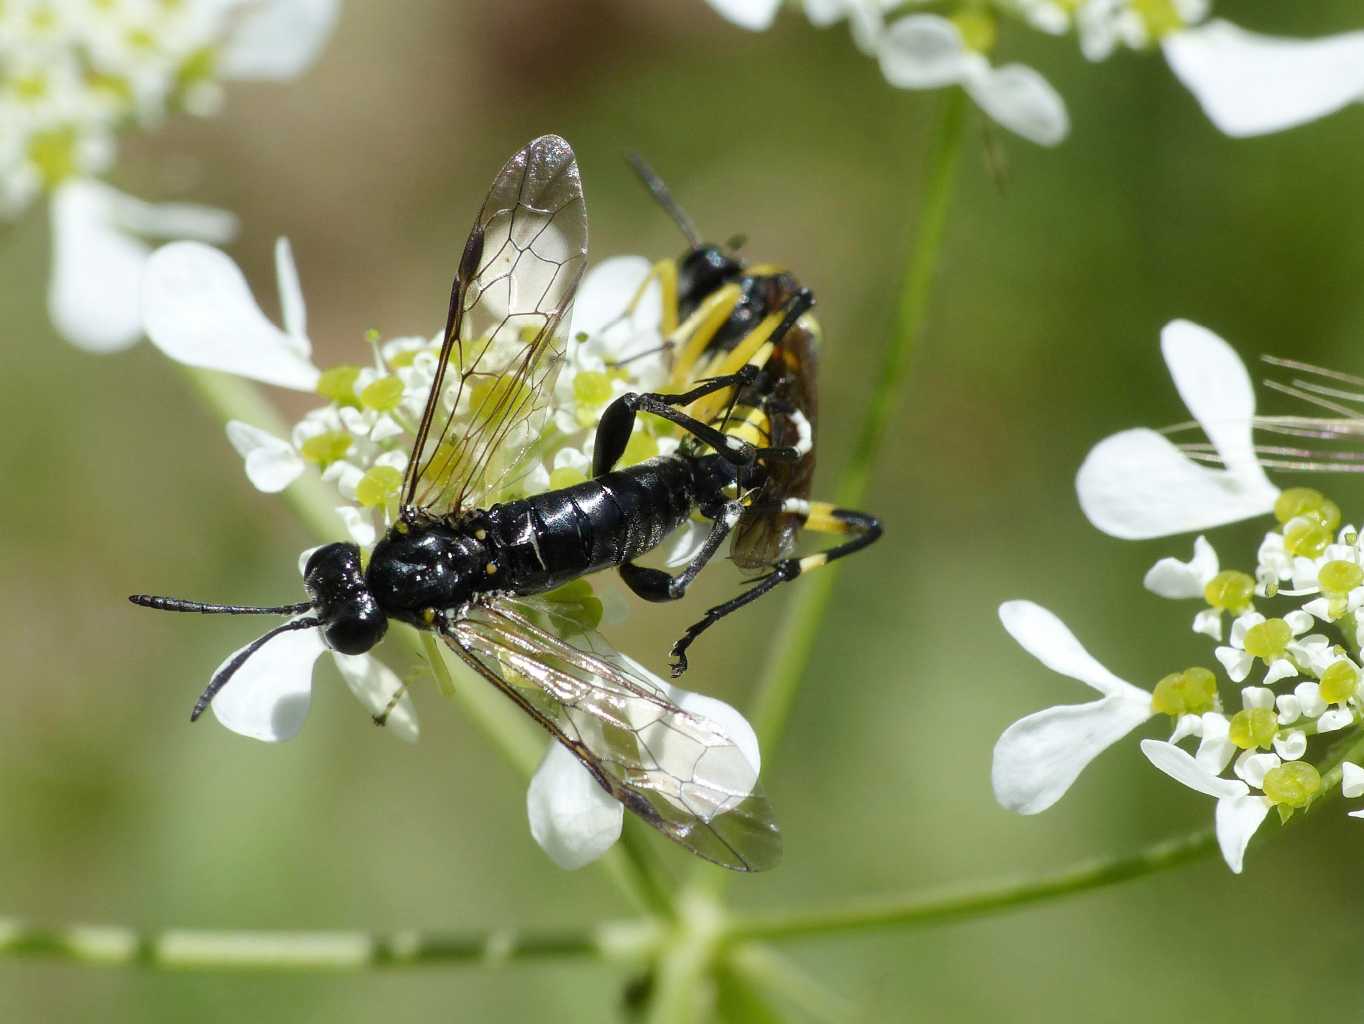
{"type": "Point", "coordinates": [813, 562]}
{"type": "Point", "coordinates": [754, 350]}
{"type": "Point", "coordinates": [699, 329]}
{"type": "Point", "coordinates": [820, 516]}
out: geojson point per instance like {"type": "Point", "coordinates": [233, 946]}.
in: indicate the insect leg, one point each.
{"type": "Point", "coordinates": [665, 273]}
{"type": "Point", "coordinates": [657, 585]}
{"type": "Point", "coordinates": [819, 516]}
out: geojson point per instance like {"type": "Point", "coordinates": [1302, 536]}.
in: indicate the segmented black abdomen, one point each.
{"type": "Point", "coordinates": [546, 540]}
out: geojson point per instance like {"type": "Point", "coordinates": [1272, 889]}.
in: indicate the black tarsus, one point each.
{"type": "Point", "coordinates": [664, 198]}
{"type": "Point", "coordinates": [176, 604]}
{"type": "Point", "coordinates": [224, 674]}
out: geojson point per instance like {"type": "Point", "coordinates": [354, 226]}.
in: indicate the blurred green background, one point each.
{"type": "Point", "coordinates": [1043, 339]}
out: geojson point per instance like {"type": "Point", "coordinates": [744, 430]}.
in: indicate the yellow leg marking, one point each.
{"type": "Point", "coordinates": [820, 518]}
{"type": "Point", "coordinates": [665, 273]}
{"type": "Point", "coordinates": [755, 349]}
{"type": "Point", "coordinates": [810, 562]}
{"type": "Point", "coordinates": [698, 330]}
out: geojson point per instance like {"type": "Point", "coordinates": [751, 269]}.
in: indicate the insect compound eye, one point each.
{"type": "Point", "coordinates": [354, 626]}
{"type": "Point", "coordinates": [702, 271]}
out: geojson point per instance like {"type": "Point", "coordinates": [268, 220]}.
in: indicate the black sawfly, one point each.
{"type": "Point", "coordinates": [476, 576]}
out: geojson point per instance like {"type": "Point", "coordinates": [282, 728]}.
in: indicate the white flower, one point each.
{"type": "Point", "coordinates": [72, 75]}
{"type": "Point", "coordinates": [269, 695]}
{"type": "Point", "coordinates": [198, 309]}
{"type": "Point", "coordinates": [1137, 484]}
{"type": "Point", "coordinates": [925, 51]}
{"type": "Point", "coordinates": [1038, 757]}
{"type": "Point", "coordinates": [1251, 84]}
{"type": "Point", "coordinates": [1238, 661]}
{"type": "Point", "coordinates": [98, 257]}
{"type": "Point", "coordinates": [574, 820]}
{"type": "Point", "coordinates": [1239, 812]}
{"type": "Point", "coordinates": [1177, 580]}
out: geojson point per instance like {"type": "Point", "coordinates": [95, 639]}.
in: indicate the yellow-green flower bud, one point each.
{"type": "Point", "coordinates": [338, 384]}
{"type": "Point", "coordinates": [978, 30]}
{"type": "Point", "coordinates": [1292, 784]}
{"type": "Point", "coordinates": [1297, 501]}
{"type": "Point", "coordinates": [1339, 577]}
{"type": "Point", "coordinates": [1161, 17]}
{"type": "Point", "coordinates": [383, 394]}
{"type": "Point", "coordinates": [1306, 536]}
{"type": "Point", "coordinates": [1268, 640]}
{"type": "Point", "coordinates": [1230, 591]}
{"type": "Point", "coordinates": [1253, 727]}
{"type": "Point", "coordinates": [326, 448]}
{"type": "Point", "coordinates": [565, 476]}
{"type": "Point", "coordinates": [1339, 682]}
{"type": "Point", "coordinates": [377, 486]}
{"type": "Point", "coordinates": [1192, 691]}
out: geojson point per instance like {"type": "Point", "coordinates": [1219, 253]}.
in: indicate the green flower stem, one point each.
{"type": "Point", "coordinates": [793, 644]}
{"type": "Point", "coordinates": [914, 911]}
{"type": "Point", "coordinates": [198, 950]}
{"type": "Point", "coordinates": [631, 862]}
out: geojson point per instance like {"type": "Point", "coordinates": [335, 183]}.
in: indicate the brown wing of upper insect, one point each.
{"type": "Point", "coordinates": [505, 332]}
{"type": "Point", "coordinates": [765, 533]}
{"type": "Point", "coordinates": [679, 771]}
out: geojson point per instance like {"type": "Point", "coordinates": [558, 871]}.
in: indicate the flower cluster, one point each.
{"type": "Point", "coordinates": [73, 74]}
{"type": "Point", "coordinates": [1248, 84]}
{"type": "Point", "coordinates": [1286, 628]}
{"type": "Point", "coordinates": [198, 309]}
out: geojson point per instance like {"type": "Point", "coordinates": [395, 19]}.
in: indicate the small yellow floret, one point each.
{"type": "Point", "coordinates": [1297, 501]}
{"type": "Point", "coordinates": [1306, 536]}
{"type": "Point", "coordinates": [1292, 784]}
{"type": "Point", "coordinates": [1230, 591]}
{"type": "Point", "coordinates": [1339, 682]}
{"type": "Point", "coordinates": [338, 384]}
{"type": "Point", "coordinates": [382, 395]}
{"type": "Point", "coordinates": [978, 30]}
{"type": "Point", "coordinates": [565, 476]}
{"type": "Point", "coordinates": [325, 449]}
{"type": "Point", "coordinates": [1253, 727]}
{"type": "Point", "coordinates": [1268, 640]}
{"type": "Point", "coordinates": [1192, 691]}
{"type": "Point", "coordinates": [378, 486]}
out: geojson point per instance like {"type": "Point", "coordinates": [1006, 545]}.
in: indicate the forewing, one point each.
{"type": "Point", "coordinates": [680, 772]}
{"type": "Point", "coordinates": [506, 331]}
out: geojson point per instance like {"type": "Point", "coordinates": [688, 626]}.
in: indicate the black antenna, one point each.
{"type": "Point", "coordinates": [224, 674]}
{"type": "Point", "coordinates": [664, 198]}
{"type": "Point", "coordinates": [175, 604]}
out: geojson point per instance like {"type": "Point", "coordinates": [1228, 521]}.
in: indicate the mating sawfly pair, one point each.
{"type": "Point", "coordinates": [742, 351]}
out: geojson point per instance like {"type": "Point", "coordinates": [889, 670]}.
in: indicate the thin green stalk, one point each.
{"type": "Point", "coordinates": [631, 863]}
{"type": "Point", "coordinates": [794, 642]}
{"type": "Point", "coordinates": [192, 949]}
{"type": "Point", "coordinates": [960, 904]}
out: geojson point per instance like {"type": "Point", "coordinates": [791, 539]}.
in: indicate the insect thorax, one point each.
{"type": "Point", "coordinates": [425, 564]}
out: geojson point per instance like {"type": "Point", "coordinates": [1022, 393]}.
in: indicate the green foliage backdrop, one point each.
{"type": "Point", "coordinates": [1056, 279]}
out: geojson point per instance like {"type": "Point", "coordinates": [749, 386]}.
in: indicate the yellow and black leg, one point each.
{"type": "Point", "coordinates": [862, 529]}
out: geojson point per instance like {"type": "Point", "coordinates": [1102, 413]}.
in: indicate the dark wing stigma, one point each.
{"type": "Point", "coordinates": [505, 333]}
{"type": "Point", "coordinates": [678, 771]}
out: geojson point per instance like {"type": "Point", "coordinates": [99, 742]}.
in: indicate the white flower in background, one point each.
{"type": "Point", "coordinates": [1038, 757]}
{"type": "Point", "coordinates": [1229, 591]}
{"type": "Point", "coordinates": [1138, 484]}
{"type": "Point", "coordinates": [574, 820]}
{"type": "Point", "coordinates": [1248, 84]}
{"type": "Point", "coordinates": [73, 74]}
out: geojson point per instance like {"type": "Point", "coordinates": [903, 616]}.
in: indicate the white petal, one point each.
{"type": "Point", "coordinates": [1175, 579]}
{"type": "Point", "coordinates": [1038, 757]}
{"type": "Point", "coordinates": [1047, 639]}
{"type": "Point", "coordinates": [1280, 669]}
{"type": "Point", "coordinates": [1351, 780]}
{"type": "Point", "coordinates": [274, 39]}
{"type": "Point", "coordinates": [1237, 662]}
{"type": "Point", "coordinates": [1290, 746]}
{"type": "Point", "coordinates": [573, 819]}
{"type": "Point", "coordinates": [1237, 819]}
{"type": "Point", "coordinates": [922, 51]}
{"type": "Point", "coordinates": [1257, 697]}
{"type": "Point", "coordinates": [1289, 709]}
{"type": "Point", "coordinates": [292, 307]}
{"type": "Point", "coordinates": [197, 309]}
{"type": "Point", "coordinates": [750, 14]}
{"type": "Point", "coordinates": [1252, 766]}
{"type": "Point", "coordinates": [1183, 768]}
{"type": "Point", "coordinates": [1136, 485]}
{"type": "Point", "coordinates": [825, 12]}
{"type": "Point", "coordinates": [1251, 84]}
{"type": "Point", "coordinates": [268, 697]}
{"type": "Point", "coordinates": [1187, 725]}
{"type": "Point", "coordinates": [1309, 699]}
{"type": "Point", "coordinates": [731, 722]}
{"type": "Point", "coordinates": [375, 685]}
{"type": "Point", "coordinates": [686, 543]}
{"type": "Point", "coordinates": [271, 464]}
{"type": "Point", "coordinates": [1334, 720]}
{"type": "Point", "coordinates": [1214, 384]}
{"type": "Point", "coordinates": [1299, 621]}
{"type": "Point", "coordinates": [1215, 750]}
{"type": "Point", "coordinates": [1209, 623]}
{"type": "Point", "coordinates": [97, 262]}
{"type": "Point", "coordinates": [359, 525]}
{"type": "Point", "coordinates": [1020, 99]}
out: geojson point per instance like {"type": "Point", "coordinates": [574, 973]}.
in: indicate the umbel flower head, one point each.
{"type": "Point", "coordinates": [1247, 83]}
{"type": "Point", "coordinates": [1290, 669]}
{"type": "Point", "coordinates": [73, 75]}
{"type": "Point", "coordinates": [198, 309]}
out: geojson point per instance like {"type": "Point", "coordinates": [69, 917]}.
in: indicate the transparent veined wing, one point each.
{"type": "Point", "coordinates": [505, 332]}
{"type": "Point", "coordinates": [681, 772]}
